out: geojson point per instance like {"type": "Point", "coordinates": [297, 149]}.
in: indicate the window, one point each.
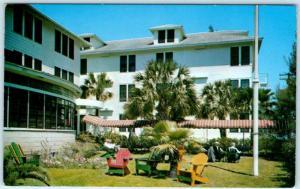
{"type": "Point", "coordinates": [121, 116]}
{"type": "Point", "coordinates": [28, 61]}
{"type": "Point", "coordinates": [245, 55]}
{"type": "Point", "coordinates": [64, 45]}
{"type": "Point", "coordinates": [159, 57]}
{"type": "Point", "coordinates": [37, 64]}
{"type": "Point", "coordinates": [18, 108]}
{"type": "Point", "coordinates": [71, 77]}
{"type": "Point", "coordinates": [245, 83]}
{"type": "Point", "coordinates": [28, 25]}
{"type": "Point", "coordinates": [83, 66]}
{"type": "Point", "coordinates": [131, 63]}
{"type": "Point", "coordinates": [18, 19]}
{"type": "Point", "coordinates": [161, 36]}
{"type": "Point", "coordinates": [130, 90]}
{"type": "Point", "coordinates": [5, 105]}
{"type": "Point", "coordinates": [169, 56]}
{"type": "Point", "coordinates": [235, 130]}
{"type": "Point", "coordinates": [9, 56]}
{"type": "Point", "coordinates": [171, 35]}
{"type": "Point", "coordinates": [38, 30]}
{"type": "Point", "coordinates": [71, 48]}
{"type": "Point", "coordinates": [57, 41]}
{"type": "Point", "coordinates": [64, 74]}
{"type": "Point", "coordinates": [234, 56]}
{"type": "Point", "coordinates": [87, 39]}
{"type": "Point", "coordinates": [18, 57]}
{"type": "Point", "coordinates": [50, 112]}
{"type": "Point", "coordinates": [122, 129]}
{"type": "Point", "coordinates": [244, 130]}
{"type": "Point", "coordinates": [57, 71]}
{"type": "Point", "coordinates": [36, 110]}
{"type": "Point", "coordinates": [123, 93]}
{"type": "Point", "coordinates": [234, 83]}
{"type": "Point", "coordinates": [123, 63]}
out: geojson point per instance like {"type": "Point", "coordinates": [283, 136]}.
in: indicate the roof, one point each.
{"type": "Point", "coordinates": [191, 40]}
{"type": "Point", "coordinates": [83, 42]}
{"type": "Point", "coordinates": [91, 35]}
{"type": "Point", "coordinates": [197, 124]}
{"type": "Point", "coordinates": [165, 27]}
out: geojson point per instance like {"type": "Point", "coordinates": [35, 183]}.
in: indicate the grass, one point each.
{"type": "Point", "coordinates": [220, 174]}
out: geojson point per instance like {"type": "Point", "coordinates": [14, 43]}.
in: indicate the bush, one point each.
{"type": "Point", "coordinates": [178, 134]}
{"type": "Point", "coordinates": [289, 158]}
{"type": "Point", "coordinates": [86, 137]}
{"type": "Point", "coordinates": [161, 127]}
{"type": "Point", "coordinates": [193, 147]}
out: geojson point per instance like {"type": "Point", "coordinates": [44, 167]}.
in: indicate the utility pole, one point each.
{"type": "Point", "coordinates": [255, 81]}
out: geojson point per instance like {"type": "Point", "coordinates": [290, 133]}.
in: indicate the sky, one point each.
{"type": "Point", "coordinates": [277, 25]}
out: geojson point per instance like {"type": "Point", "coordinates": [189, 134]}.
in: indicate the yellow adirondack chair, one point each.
{"type": "Point", "coordinates": [192, 171]}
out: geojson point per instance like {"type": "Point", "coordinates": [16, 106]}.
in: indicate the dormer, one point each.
{"type": "Point", "coordinates": [167, 34]}
{"type": "Point", "coordinates": [93, 39]}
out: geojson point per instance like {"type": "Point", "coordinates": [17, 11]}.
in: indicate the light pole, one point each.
{"type": "Point", "coordinates": [255, 81]}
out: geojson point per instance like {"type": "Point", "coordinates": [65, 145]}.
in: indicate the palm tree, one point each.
{"type": "Point", "coordinates": [166, 93]}
{"type": "Point", "coordinates": [96, 87]}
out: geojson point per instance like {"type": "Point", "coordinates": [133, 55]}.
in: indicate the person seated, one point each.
{"type": "Point", "coordinates": [215, 152]}
{"type": "Point", "coordinates": [233, 153]}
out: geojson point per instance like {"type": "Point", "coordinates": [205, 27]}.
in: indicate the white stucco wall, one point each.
{"type": "Point", "coordinates": [44, 51]}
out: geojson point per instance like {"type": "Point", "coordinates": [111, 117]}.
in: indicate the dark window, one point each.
{"type": "Point", "coordinates": [71, 77]}
{"type": "Point", "coordinates": [5, 105]}
{"type": "Point", "coordinates": [64, 45]}
{"type": "Point", "coordinates": [169, 56]}
{"type": "Point", "coordinates": [18, 19]}
{"type": "Point", "coordinates": [28, 25]}
{"type": "Point", "coordinates": [38, 30]}
{"type": "Point", "coordinates": [132, 63]}
{"type": "Point", "coordinates": [71, 48]}
{"type": "Point", "coordinates": [245, 55]}
{"type": "Point", "coordinates": [235, 83]}
{"type": "Point", "coordinates": [61, 112]}
{"type": "Point", "coordinates": [234, 56]}
{"type": "Point", "coordinates": [122, 129]}
{"type": "Point", "coordinates": [131, 129]}
{"type": "Point", "coordinates": [130, 90]}
{"type": "Point", "coordinates": [57, 41]}
{"type": "Point", "coordinates": [123, 93]}
{"type": "Point", "coordinates": [28, 61]}
{"type": "Point", "coordinates": [37, 64]}
{"type": "Point", "coordinates": [121, 116]}
{"type": "Point", "coordinates": [235, 130]}
{"type": "Point", "coordinates": [87, 39]}
{"type": "Point", "coordinates": [171, 35]}
{"type": "Point", "coordinates": [17, 57]}
{"type": "Point", "coordinates": [83, 66]}
{"type": "Point", "coordinates": [57, 71]}
{"type": "Point", "coordinates": [36, 110]}
{"type": "Point", "coordinates": [161, 36]}
{"type": "Point", "coordinates": [64, 74]}
{"type": "Point", "coordinates": [9, 56]}
{"type": "Point", "coordinates": [245, 83]}
{"type": "Point", "coordinates": [244, 130]}
{"type": "Point", "coordinates": [50, 112]}
{"type": "Point", "coordinates": [159, 57]}
{"type": "Point", "coordinates": [123, 63]}
{"type": "Point", "coordinates": [18, 108]}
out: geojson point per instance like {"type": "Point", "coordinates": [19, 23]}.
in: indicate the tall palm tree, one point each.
{"type": "Point", "coordinates": [96, 87]}
{"type": "Point", "coordinates": [166, 93]}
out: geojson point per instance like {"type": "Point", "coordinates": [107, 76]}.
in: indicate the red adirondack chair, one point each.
{"type": "Point", "coordinates": [120, 164]}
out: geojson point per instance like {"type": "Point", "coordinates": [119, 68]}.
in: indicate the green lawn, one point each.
{"type": "Point", "coordinates": [220, 174]}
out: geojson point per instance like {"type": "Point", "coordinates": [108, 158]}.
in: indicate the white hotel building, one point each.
{"type": "Point", "coordinates": [210, 56]}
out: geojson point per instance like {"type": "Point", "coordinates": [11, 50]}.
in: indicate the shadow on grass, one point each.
{"type": "Point", "coordinates": [285, 179]}
{"type": "Point", "coordinates": [232, 171]}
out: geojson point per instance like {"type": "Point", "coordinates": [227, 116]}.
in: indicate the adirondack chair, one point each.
{"type": "Point", "coordinates": [19, 156]}
{"type": "Point", "coordinates": [146, 165]}
{"type": "Point", "coordinates": [120, 164]}
{"type": "Point", "coordinates": [192, 171]}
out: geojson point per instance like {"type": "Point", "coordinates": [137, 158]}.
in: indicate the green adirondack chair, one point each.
{"type": "Point", "coordinates": [19, 156]}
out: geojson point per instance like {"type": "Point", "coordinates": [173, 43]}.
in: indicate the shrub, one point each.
{"type": "Point", "coordinates": [86, 137]}
{"type": "Point", "coordinates": [178, 134]}
{"type": "Point", "coordinates": [161, 127]}
{"type": "Point", "coordinates": [289, 158]}
{"type": "Point", "coordinates": [193, 147]}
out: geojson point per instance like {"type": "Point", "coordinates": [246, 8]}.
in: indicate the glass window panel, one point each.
{"type": "Point", "coordinates": [28, 61]}
{"type": "Point", "coordinates": [64, 45]}
{"type": "Point", "coordinates": [171, 35]}
{"type": "Point", "coordinates": [36, 110]}
{"type": "Point", "coordinates": [169, 56]}
{"type": "Point", "coordinates": [57, 41]}
{"type": "Point", "coordinates": [234, 56]}
{"type": "Point", "coordinates": [71, 77]}
{"type": "Point", "coordinates": [235, 130]}
{"type": "Point", "coordinates": [130, 88]}
{"type": "Point", "coordinates": [18, 108]}
{"type": "Point", "coordinates": [57, 71]}
{"type": "Point", "coordinates": [17, 57]}
{"type": "Point", "coordinates": [245, 55]}
{"type": "Point", "coordinates": [60, 113]}
{"type": "Point", "coordinates": [245, 83]}
{"type": "Point", "coordinates": [87, 39]}
{"type": "Point", "coordinates": [235, 83]}
{"type": "Point", "coordinates": [9, 56]}
{"type": "Point", "coordinates": [123, 95]}
{"type": "Point", "coordinates": [18, 19]}
{"type": "Point", "coordinates": [50, 112]}
{"type": "Point", "coordinates": [159, 57]}
{"type": "Point", "coordinates": [71, 48]}
{"type": "Point", "coordinates": [83, 66]}
{"type": "Point", "coordinates": [132, 63]}
{"type": "Point", "coordinates": [37, 64]}
{"type": "Point", "coordinates": [122, 129]}
{"type": "Point", "coordinates": [38, 30]}
{"type": "Point", "coordinates": [123, 63]}
{"type": "Point", "coordinates": [5, 106]}
{"type": "Point", "coordinates": [161, 36]}
{"type": "Point", "coordinates": [64, 74]}
{"type": "Point", "coordinates": [28, 25]}
{"type": "Point", "coordinates": [244, 130]}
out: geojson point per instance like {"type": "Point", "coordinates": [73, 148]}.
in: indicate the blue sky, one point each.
{"type": "Point", "coordinates": [112, 22]}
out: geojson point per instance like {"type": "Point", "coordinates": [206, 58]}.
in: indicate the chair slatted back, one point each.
{"type": "Point", "coordinates": [122, 154]}
{"type": "Point", "coordinates": [17, 152]}
{"type": "Point", "coordinates": [199, 160]}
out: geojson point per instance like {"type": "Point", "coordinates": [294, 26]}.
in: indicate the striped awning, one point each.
{"type": "Point", "coordinates": [226, 124]}
{"type": "Point", "coordinates": [200, 124]}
